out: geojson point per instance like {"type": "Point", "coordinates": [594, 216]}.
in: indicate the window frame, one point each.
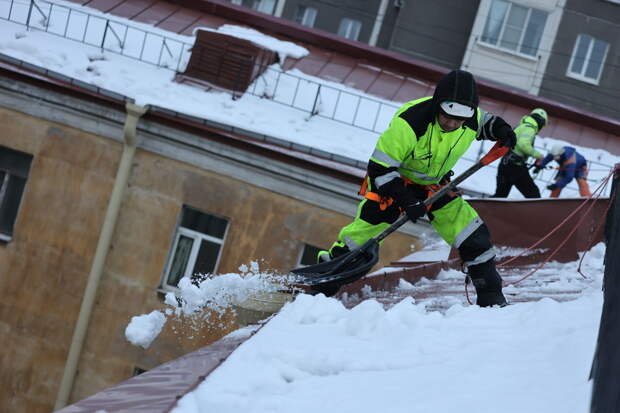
{"type": "Point", "coordinates": [581, 76]}
{"type": "Point", "coordinates": [258, 5]}
{"type": "Point", "coordinates": [197, 238]}
{"type": "Point", "coordinates": [3, 188]}
{"type": "Point", "coordinates": [522, 35]}
{"type": "Point", "coordinates": [9, 175]}
{"type": "Point", "coordinates": [351, 22]}
{"type": "Point", "coordinates": [304, 15]}
{"type": "Point", "coordinates": [301, 254]}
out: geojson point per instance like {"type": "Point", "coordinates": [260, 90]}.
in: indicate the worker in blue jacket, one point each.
{"type": "Point", "coordinates": [572, 165]}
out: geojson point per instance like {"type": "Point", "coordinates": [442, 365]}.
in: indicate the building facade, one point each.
{"type": "Point", "coordinates": [564, 50]}
{"type": "Point", "coordinates": [584, 68]}
{"type": "Point", "coordinates": [192, 203]}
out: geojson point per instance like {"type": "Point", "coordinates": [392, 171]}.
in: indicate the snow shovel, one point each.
{"type": "Point", "coordinates": [328, 277]}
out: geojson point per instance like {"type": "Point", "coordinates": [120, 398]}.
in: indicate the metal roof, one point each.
{"type": "Point", "coordinates": [158, 390]}
{"type": "Point", "coordinates": [369, 69]}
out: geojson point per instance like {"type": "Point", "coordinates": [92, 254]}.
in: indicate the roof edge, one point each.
{"type": "Point", "coordinates": [394, 61]}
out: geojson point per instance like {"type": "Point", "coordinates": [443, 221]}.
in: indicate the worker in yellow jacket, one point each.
{"type": "Point", "coordinates": [423, 142]}
{"type": "Point", "coordinates": [513, 169]}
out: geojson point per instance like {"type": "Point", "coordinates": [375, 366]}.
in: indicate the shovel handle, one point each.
{"type": "Point", "coordinates": [496, 152]}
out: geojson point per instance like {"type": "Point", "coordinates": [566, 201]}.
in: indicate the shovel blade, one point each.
{"type": "Point", "coordinates": [328, 277]}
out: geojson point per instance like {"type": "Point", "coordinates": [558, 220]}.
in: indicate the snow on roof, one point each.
{"type": "Point", "coordinates": [291, 106]}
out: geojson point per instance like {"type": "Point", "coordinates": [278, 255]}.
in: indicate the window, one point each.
{"type": "Point", "coordinates": [349, 28]}
{"type": "Point", "coordinates": [308, 255]}
{"type": "Point", "coordinates": [514, 28]}
{"type": "Point", "coordinates": [265, 6]}
{"type": "Point", "coordinates": [14, 169]}
{"type": "Point", "coordinates": [197, 246]}
{"type": "Point", "coordinates": [588, 57]}
{"type": "Point", "coordinates": [305, 15]}
{"type": "Point", "coordinates": [237, 2]}
{"type": "Point", "coordinates": [137, 371]}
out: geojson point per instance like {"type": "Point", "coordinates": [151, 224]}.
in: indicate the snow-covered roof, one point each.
{"type": "Point", "coordinates": [291, 107]}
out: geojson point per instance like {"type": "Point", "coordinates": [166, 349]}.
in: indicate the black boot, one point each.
{"type": "Point", "coordinates": [488, 284]}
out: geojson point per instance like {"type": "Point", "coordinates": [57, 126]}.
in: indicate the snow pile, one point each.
{"type": "Point", "coordinates": [218, 292]}
{"type": "Point", "coordinates": [282, 48]}
{"type": "Point", "coordinates": [318, 356]}
{"type": "Point", "coordinates": [199, 302]}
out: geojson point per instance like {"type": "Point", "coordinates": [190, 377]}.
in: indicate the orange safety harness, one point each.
{"type": "Point", "coordinates": [386, 201]}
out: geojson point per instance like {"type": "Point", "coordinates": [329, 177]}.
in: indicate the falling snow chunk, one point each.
{"type": "Point", "coordinates": [143, 329]}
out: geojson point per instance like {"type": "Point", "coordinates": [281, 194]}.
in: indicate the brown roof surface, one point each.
{"type": "Point", "coordinates": [157, 390]}
{"type": "Point", "coordinates": [369, 69]}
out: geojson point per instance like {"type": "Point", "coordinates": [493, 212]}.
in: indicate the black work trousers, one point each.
{"type": "Point", "coordinates": [511, 174]}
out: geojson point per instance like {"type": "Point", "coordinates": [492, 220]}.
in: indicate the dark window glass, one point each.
{"type": "Point", "coordinates": [180, 259]}
{"type": "Point", "coordinates": [14, 169]}
{"type": "Point", "coordinates": [10, 203]}
{"type": "Point", "coordinates": [207, 257]}
{"type": "Point", "coordinates": [534, 32]}
{"type": "Point", "coordinates": [137, 370]}
{"type": "Point", "coordinates": [495, 20]}
{"type": "Point", "coordinates": [204, 223]}
{"type": "Point", "coordinates": [17, 163]}
{"type": "Point", "coordinates": [308, 257]}
{"type": "Point", "coordinates": [597, 56]}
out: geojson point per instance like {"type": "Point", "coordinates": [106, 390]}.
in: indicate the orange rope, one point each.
{"type": "Point", "coordinates": [596, 195]}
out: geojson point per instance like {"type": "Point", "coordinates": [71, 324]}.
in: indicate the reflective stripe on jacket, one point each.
{"type": "Point", "coordinates": [423, 159]}
{"type": "Point", "coordinates": [526, 136]}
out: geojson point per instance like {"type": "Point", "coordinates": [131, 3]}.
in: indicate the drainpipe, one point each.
{"type": "Point", "coordinates": [378, 23]}
{"type": "Point", "coordinates": [103, 245]}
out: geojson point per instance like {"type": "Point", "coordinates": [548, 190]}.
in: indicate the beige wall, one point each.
{"type": "Point", "coordinates": [43, 270]}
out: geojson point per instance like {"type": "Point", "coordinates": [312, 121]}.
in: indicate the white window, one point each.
{"type": "Point", "coordinates": [588, 57]}
{"type": "Point", "coordinates": [349, 28]}
{"type": "Point", "coordinates": [14, 169]}
{"type": "Point", "coordinates": [305, 15]}
{"type": "Point", "coordinates": [308, 255]}
{"type": "Point", "coordinates": [237, 2]}
{"type": "Point", "coordinates": [514, 28]}
{"type": "Point", "coordinates": [265, 6]}
{"type": "Point", "coordinates": [197, 246]}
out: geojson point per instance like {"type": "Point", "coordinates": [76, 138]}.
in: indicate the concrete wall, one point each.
{"type": "Point", "coordinates": [599, 19]}
{"type": "Point", "coordinates": [329, 14]}
{"type": "Point", "coordinates": [505, 67]}
{"type": "Point", "coordinates": [434, 31]}
{"type": "Point", "coordinates": [43, 270]}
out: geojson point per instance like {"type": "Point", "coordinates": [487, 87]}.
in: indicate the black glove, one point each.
{"type": "Point", "coordinates": [404, 198]}
{"type": "Point", "coordinates": [508, 139]}
{"type": "Point", "coordinates": [446, 178]}
{"type": "Point", "coordinates": [496, 129]}
{"type": "Point", "coordinates": [551, 187]}
{"type": "Point", "coordinates": [415, 210]}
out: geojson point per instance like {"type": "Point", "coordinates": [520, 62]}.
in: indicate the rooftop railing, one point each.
{"type": "Point", "coordinates": [324, 100]}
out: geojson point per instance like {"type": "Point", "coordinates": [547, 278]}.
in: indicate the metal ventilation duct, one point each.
{"type": "Point", "coordinates": [225, 62]}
